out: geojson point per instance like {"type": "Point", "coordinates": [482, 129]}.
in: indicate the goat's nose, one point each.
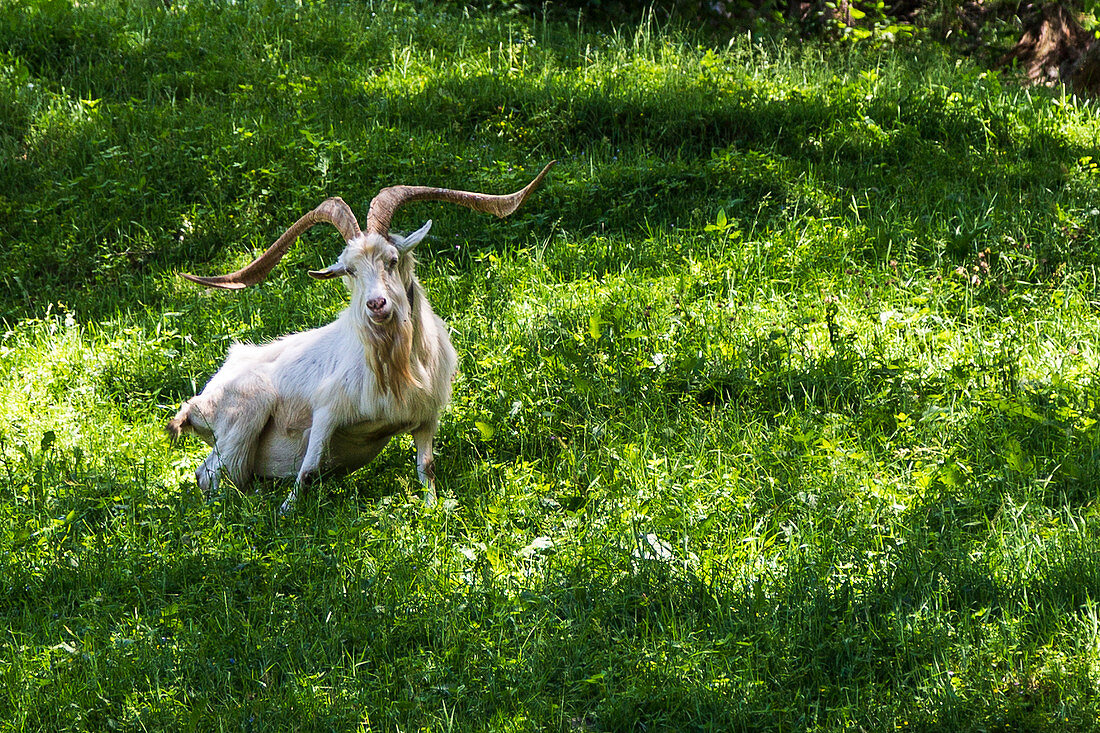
{"type": "Point", "coordinates": [376, 304]}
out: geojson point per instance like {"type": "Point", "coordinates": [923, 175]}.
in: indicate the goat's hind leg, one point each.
{"type": "Point", "coordinates": [234, 452]}
{"type": "Point", "coordinates": [208, 475]}
{"type": "Point", "coordinates": [191, 419]}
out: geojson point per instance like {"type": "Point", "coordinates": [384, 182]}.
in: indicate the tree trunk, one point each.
{"type": "Point", "coordinates": [1051, 46]}
{"type": "Point", "coordinates": [1085, 78]}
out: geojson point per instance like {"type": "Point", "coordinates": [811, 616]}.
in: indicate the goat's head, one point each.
{"type": "Point", "coordinates": [369, 254]}
{"type": "Point", "coordinates": [378, 270]}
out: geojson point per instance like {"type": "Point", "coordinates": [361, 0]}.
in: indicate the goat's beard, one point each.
{"type": "Point", "coordinates": [389, 353]}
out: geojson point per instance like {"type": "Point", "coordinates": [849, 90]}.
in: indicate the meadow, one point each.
{"type": "Point", "coordinates": [777, 406]}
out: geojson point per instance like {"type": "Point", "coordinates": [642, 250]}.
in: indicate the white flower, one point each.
{"type": "Point", "coordinates": [539, 544]}
{"type": "Point", "coordinates": [657, 549]}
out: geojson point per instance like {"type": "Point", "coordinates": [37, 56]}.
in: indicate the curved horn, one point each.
{"type": "Point", "coordinates": [333, 210]}
{"type": "Point", "coordinates": [389, 200]}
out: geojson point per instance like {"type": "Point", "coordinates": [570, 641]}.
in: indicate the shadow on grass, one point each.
{"type": "Point", "coordinates": [619, 648]}
{"type": "Point", "coordinates": [659, 155]}
{"type": "Point", "coordinates": [232, 611]}
{"type": "Point", "coordinates": [902, 166]}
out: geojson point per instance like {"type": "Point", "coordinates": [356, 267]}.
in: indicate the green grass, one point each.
{"type": "Point", "coordinates": [777, 406]}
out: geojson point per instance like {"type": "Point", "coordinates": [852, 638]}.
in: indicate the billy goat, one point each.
{"type": "Point", "coordinates": [328, 400]}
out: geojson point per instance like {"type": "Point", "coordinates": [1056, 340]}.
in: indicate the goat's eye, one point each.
{"type": "Point", "coordinates": [392, 263]}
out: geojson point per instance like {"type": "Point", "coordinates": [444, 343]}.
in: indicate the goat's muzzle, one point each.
{"type": "Point", "coordinates": [380, 310]}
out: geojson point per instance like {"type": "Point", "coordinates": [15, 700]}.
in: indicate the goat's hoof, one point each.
{"type": "Point", "coordinates": [288, 506]}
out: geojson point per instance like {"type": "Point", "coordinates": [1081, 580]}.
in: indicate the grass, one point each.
{"type": "Point", "coordinates": [777, 406]}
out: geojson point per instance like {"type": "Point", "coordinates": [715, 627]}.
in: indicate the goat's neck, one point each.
{"type": "Point", "coordinates": [418, 305]}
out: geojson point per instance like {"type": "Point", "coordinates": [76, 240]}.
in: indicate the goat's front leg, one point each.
{"type": "Point", "coordinates": [320, 433]}
{"type": "Point", "coordinates": [424, 438]}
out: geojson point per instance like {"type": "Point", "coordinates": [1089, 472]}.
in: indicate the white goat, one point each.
{"type": "Point", "coordinates": [328, 400]}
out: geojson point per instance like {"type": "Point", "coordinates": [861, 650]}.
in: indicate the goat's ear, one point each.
{"type": "Point", "coordinates": [406, 244]}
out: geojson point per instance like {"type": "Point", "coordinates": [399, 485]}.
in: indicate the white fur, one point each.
{"type": "Point", "coordinates": [328, 400]}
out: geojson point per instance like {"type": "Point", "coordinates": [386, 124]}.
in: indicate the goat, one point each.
{"type": "Point", "coordinates": [328, 400]}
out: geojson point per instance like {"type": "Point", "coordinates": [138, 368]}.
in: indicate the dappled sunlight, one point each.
{"type": "Point", "coordinates": [776, 405]}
